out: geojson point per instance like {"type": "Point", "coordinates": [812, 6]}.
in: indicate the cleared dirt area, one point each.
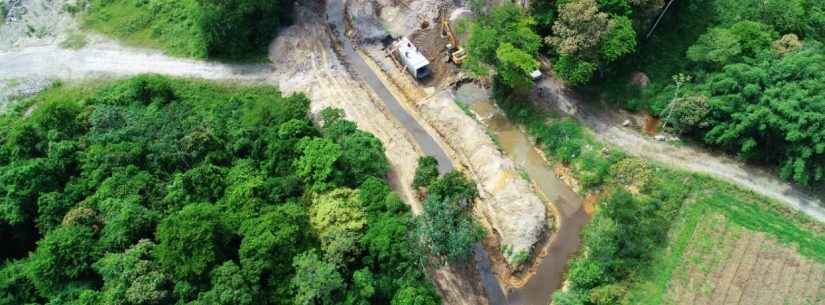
{"type": "Point", "coordinates": [725, 263]}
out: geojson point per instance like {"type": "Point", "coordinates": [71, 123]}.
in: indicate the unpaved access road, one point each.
{"type": "Point", "coordinates": [108, 58]}
{"type": "Point", "coordinates": [607, 127]}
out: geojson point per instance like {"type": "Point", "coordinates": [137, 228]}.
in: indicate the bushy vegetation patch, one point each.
{"type": "Point", "coordinates": [446, 227]}
{"type": "Point", "coordinates": [234, 29]}
{"type": "Point", "coordinates": [159, 191]}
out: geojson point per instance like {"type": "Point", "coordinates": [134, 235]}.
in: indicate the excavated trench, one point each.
{"type": "Point", "coordinates": [549, 274]}
{"type": "Point", "coordinates": [335, 17]}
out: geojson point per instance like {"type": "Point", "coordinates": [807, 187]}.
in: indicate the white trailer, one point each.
{"type": "Point", "coordinates": [408, 55]}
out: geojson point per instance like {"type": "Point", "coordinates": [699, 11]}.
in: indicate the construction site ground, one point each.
{"type": "Point", "coordinates": [432, 99]}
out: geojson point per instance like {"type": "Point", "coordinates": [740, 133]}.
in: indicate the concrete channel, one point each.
{"type": "Point", "coordinates": [335, 17]}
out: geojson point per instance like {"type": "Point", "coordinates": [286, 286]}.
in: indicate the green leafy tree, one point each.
{"type": "Point", "coordinates": [230, 286]}
{"type": "Point", "coordinates": [620, 39]}
{"type": "Point", "coordinates": [426, 171]}
{"type": "Point", "coordinates": [236, 27]}
{"type": "Point", "coordinates": [373, 195]}
{"type": "Point", "coordinates": [453, 185]}
{"type": "Point", "coordinates": [447, 231]}
{"type": "Point", "coordinates": [411, 295]}
{"type": "Point", "coordinates": [586, 37]}
{"type": "Point", "coordinates": [133, 278]}
{"type": "Point", "coordinates": [506, 24]}
{"type": "Point", "coordinates": [723, 46]}
{"type": "Point", "coordinates": [362, 288]}
{"type": "Point", "coordinates": [271, 240]}
{"type": "Point", "coordinates": [339, 218]}
{"type": "Point", "coordinates": [62, 256]}
{"type": "Point", "coordinates": [15, 285]}
{"type": "Point", "coordinates": [192, 241]}
{"type": "Point", "coordinates": [315, 281]}
{"type": "Point", "coordinates": [363, 157]}
{"type": "Point", "coordinates": [315, 165]}
{"type": "Point", "coordinates": [515, 66]}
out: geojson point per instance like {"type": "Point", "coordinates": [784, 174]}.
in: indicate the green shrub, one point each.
{"type": "Point", "coordinates": [234, 29]}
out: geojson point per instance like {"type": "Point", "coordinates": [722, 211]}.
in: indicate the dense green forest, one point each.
{"type": "Point", "coordinates": [161, 191]}
{"type": "Point", "coordinates": [743, 76]}
{"type": "Point", "coordinates": [233, 29]}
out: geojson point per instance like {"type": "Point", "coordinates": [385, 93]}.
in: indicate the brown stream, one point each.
{"type": "Point", "coordinates": [569, 211]}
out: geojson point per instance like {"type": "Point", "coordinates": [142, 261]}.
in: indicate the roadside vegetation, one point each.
{"type": "Point", "coordinates": [641, 212]}
{"type": "Point", "coordinates": [745, 77]}
{"type": "Point", "coordinates": [446, 226]}
{"type": "Point", "coordinates": [161, 191]}
{"type": "Point", "coordinates": [581, 37]}
{"type": "Point", "coordinates": [234, 29]}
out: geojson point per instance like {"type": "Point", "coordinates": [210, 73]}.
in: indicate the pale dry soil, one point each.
{"type": "Point", "coordinates": [727, 264]}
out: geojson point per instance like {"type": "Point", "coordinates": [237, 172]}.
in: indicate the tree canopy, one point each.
{"type": "Point", "coordinates": [152, 191]}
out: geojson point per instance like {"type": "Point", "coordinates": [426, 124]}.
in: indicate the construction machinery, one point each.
{"type": "Point", "coordinates": [457, 53]}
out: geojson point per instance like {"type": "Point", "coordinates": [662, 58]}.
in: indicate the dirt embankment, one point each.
{"type": "Point", "coordinates": [508, 204]}
{"type": "Point", "coordinates": [36, 22]}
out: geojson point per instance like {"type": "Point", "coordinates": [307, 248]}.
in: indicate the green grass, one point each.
{"type": "Point", "coordinates": [170, 25]}
{"type": "Point", "coordinates": [3, 12]}
{"type": "Point", "coordinates": [74, 41]}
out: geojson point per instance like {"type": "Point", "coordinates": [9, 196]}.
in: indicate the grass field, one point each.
{"type": "Point", "coordinates": [726, 251]}
{"type": "Point", "coordinates": [170, 25]}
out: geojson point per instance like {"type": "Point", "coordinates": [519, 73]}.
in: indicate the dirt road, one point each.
{"type": "Point", "coordinates": [607, 127]}
{"type": "Point", "coordinates": [109, 58]}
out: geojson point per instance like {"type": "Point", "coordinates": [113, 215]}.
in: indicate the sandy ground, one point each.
{"type": "Point", "coordinates": [606, 125]}
{"type": "Point", "coordinates": [35, 22]}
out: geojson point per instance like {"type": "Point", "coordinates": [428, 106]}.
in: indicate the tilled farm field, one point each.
{"type": "Point", "coordinates": [728, 264]}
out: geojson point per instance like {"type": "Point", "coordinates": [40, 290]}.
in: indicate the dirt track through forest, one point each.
{"type": "Point", "coordinates": [607, 127]}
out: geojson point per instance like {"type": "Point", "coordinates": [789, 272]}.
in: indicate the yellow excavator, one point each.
{"type": "Point", "coordinates": [457, 53]}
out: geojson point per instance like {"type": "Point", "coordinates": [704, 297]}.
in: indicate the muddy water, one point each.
{"type": "Point", "coordinates": [568, 205]}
